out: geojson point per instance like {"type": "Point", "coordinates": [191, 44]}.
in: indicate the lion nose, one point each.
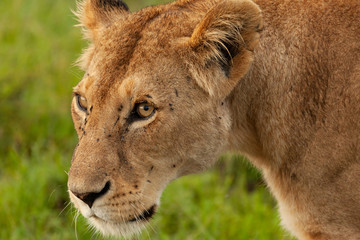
{"type": "Point", "coordinates": [90, 197]}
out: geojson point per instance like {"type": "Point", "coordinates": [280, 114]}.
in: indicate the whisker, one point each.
{"type": "Point", "coordinates": [142, 205]}
{"type": "Point", "coordinates": [76, 218]}
{"type": "Point", "coordinates": [94, 232]}
{"type": "Point", "coordinates": [139, 213]}
{"type": "Point", "coordinates": [67, 205]}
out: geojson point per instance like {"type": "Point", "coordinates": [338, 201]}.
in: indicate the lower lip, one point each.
{"type": "Point", "coordinates": [146, 215]}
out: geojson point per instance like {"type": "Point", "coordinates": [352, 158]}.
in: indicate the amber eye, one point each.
{"type": "Point", "coordinates": [81, 102]}
{"type": "Point", "coordinates": [145, 110]}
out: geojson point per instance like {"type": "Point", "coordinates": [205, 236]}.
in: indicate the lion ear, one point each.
{"type": "Point", "coordinates": [223, 44]}
{"type": "Point", "coordinates": [97, 14]}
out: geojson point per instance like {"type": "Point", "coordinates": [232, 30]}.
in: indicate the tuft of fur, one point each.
{"type": "Point", "coordinates": [94, 15]}
{"type": "Point", "coordinates": [228, 31]}
{"type": "Point", "coordinates": [228, 28]}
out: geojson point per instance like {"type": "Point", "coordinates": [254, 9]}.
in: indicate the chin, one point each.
{"type": "Point", "coordinates": [115, 229]}
{"type": "Point", "coordinates": [125, 229]}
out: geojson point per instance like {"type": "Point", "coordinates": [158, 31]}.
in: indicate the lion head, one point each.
{"type": "Point", "coordinates": [150, 107]}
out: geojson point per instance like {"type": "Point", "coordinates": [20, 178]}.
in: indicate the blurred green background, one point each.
{"type": "Point", "coordinates": [38, 48]}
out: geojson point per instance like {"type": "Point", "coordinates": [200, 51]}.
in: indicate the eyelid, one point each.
{"type": "Point", "coordinates": [77, 93]}
{"type": "Point", "coordinates": [144, 98]}
{"type": "Point", "coordinates": [145, 101]}
{"type": "Point", "coordinates": [76, 90]}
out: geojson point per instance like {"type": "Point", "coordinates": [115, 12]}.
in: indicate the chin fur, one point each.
{"type": "Point", "coordinates": [125, 230]}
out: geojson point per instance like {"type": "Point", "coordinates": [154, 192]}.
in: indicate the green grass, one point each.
{"type": "Point", "coordinates": [38, 46]}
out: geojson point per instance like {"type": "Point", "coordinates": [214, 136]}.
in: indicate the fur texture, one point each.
{"type": "Point", "coordinates": [288, 100]}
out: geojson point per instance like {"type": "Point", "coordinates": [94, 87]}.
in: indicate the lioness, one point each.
{"type": "Point", "coordinates": [171, 87]}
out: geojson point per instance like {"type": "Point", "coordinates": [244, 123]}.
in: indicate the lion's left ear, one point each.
{"type": "Point", "coordinates": [223, 43]}
{"type": "Point", "coordinates": [96, 14]}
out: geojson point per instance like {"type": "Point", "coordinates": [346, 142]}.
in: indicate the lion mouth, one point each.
{"type": "Point", "coordinates": [146, 215]}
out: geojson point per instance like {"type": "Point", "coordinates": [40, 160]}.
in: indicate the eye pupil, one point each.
{"type": "Point", "coordinates": [145, 110]}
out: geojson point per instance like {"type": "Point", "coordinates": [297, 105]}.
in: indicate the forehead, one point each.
{"type": "Point", "coordinates": [142, 42]}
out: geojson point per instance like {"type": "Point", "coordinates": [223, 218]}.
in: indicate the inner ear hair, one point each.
{"type": "Point", "coordinates": [222, 45]}
{"type": "Point", "coordinates": [227, 50]}
{"type": "Point", "coordinates": [227, 29]}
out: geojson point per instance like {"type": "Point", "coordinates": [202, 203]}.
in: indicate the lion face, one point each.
{"type": "Point", "coordinates": [146, 111]}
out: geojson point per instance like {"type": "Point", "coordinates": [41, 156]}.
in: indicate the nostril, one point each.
{"type": "Point", "coordinates": [89, 198]}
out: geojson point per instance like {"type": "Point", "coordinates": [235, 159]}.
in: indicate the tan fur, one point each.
{"type": "Point", "coordinates": [289, 101]}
